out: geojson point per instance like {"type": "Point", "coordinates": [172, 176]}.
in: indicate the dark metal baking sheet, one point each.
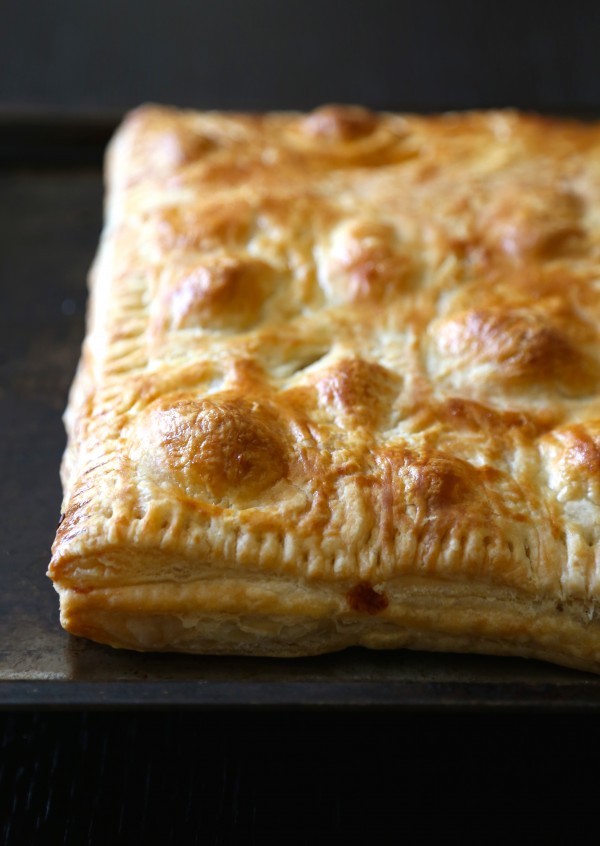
{"type": "Point", "coordinates": [50, 220]}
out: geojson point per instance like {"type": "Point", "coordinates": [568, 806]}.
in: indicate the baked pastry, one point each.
{"type": "Point", "coordinates": [340, 385]}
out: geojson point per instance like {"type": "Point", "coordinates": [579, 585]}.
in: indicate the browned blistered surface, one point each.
{"type": "Point", "coordinates": [342, 370]}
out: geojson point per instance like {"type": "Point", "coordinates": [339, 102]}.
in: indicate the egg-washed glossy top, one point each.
{"type": "Point", "coordinates": [346, 348]}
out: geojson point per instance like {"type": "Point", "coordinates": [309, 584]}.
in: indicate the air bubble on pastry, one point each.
{"type": "Point", "coordinates": [165, 143]}
{"type": "Point", "coordinates": [359, 389]}
{"type": "Point", "coordinates": [500, 346]}
{"type": "Point", "coordinates": [222, 292]}
{"type": "Point", "coordinates": [218, 448]}
{"type": "Point", "coordinates": [439, 481]}
{"type": "Point", "coordinates": [572, 455]}
{"type": "Point", "coordinates": [205, 227]}
{"type": "Point", "coordinates": [464, 515]}
{"type": "Point", "coordinates": [175, 148]}
{"type": "Point", "coordinates": [364, 263]}
{"type": "Point", "coordinates": [571, 461]}
{"type": "Point", "coordinates": [526, 223]}
{"type": "Point", "coordinates": [339, 123]}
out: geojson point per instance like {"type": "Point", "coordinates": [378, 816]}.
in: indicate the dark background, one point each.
{"type": "Point", "coordinates": [288, 54]}
{"type": "Point", "coordinates": [217, 777]}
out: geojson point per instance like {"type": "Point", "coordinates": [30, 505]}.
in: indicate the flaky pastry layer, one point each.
{"type": "Point", "coordinates": [340, 385]}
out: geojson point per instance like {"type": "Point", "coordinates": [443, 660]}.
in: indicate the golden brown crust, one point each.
{"type": "Point", "coordinates": [340, 386]}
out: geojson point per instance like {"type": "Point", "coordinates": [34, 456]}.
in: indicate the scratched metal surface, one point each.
{"type": "Point", "coordinates": [50, 219]}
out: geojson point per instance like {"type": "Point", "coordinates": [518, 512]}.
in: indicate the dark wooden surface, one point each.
{"type": "Point", "coordinates": [202, 778]}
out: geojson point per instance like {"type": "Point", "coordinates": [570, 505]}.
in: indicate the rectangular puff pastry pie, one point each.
{"type": "Point", "coordinates": [340, 385]}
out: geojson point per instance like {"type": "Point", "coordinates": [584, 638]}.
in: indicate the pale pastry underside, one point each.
{"type": "Point", "coordinates": [340, 386]}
